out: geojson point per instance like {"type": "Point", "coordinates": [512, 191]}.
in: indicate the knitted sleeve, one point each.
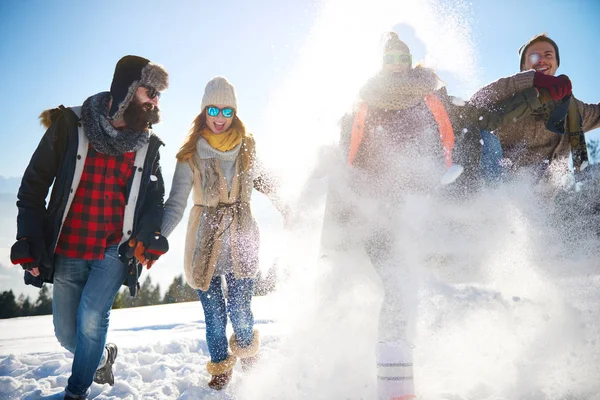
{"type": "Point", "coordinates": [502, 89]}
{"type": "Point", "coordinates": [590, 113]}
{"type": "Point", "coordinates": [183, 180]}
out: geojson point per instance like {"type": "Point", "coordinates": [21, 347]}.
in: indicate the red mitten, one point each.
{"type": "Point", "coordinates": [558, 86]}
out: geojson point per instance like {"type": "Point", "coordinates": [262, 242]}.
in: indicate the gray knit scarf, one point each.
{"type": "Point", "coordinates": [104, 137]}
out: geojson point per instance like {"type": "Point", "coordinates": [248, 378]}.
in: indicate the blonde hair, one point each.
{"type": "Point", "coordinates": [188, 149]}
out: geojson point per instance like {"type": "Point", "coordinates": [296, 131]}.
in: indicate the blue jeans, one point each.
{"type": "Point", "coordinates": [239, 298]}
{"type": "Point", "coordinates": [83, 294]}
{"type": "Point", "coordinates": [491, 154]}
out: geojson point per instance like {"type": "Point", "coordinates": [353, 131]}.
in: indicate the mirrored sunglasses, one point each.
{"type": "Point", "coordinates": [403, 58]}
{"type": "Point", "coordinates": [152, 92]}
{"type": "Point", "coordinates": [214, 111]}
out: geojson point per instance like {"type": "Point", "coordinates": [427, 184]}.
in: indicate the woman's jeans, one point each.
{"type": "Point", "coordinates": [239, 298]}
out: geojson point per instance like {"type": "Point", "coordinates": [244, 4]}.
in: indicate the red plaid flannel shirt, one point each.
{"type": "Point", "coordinates": [95, 220]}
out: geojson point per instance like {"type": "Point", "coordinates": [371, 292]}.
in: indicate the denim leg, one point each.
{"type": "Point", "coordinates": [491, 155]}
{"type": "Point", "coordinates": [215, 317]}
{"type": "Point", "coordinates": [70, 276]}
{"type": "Point", "coordinates": [239, 301]}
{"type": "Point", "coordinates": [104, 281]}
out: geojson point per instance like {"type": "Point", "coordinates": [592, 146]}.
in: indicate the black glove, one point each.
{"type": "Point", "coordinates": [144, 254]}
{"type": "Point", "coordinates": [21, 254]}
{"type": "Point", "coordinates": [30, 253]}
{"type": "Point", "coordinates": [157, 246]}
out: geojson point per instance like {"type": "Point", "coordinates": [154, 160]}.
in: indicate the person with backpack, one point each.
{"type": "Point", "coordinates": [218, 164]}
{"type": "Point", "coordinates": [404, 134]}
{"type": "Point", "coordinates": [104, 215]}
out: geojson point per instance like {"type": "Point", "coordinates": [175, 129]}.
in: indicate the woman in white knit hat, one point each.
{"type": "Point", "coordinates": [217, 164]}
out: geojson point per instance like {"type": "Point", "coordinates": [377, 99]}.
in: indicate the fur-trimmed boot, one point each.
{"type": "Point", "coordinates": [395, 371]}
{"type": "Point", "coordinates": [248, 355]}
{"type": "Point", "coordinates": [221, 372]}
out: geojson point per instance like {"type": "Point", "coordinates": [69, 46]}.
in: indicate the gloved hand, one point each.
{"type": "Point", "coordinates": [21, 254]}
{"type": "Point", "coordinates": [157, 246]}
{"type": "Point", "coordinates": [30, 253]}
{"type": "Point", "coordinates": [147, 255]}
{"type": "Point", "coordinates": [558, 86]}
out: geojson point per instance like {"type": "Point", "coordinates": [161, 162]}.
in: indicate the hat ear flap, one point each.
{"type": "Point", "coordinates": [118, 106]}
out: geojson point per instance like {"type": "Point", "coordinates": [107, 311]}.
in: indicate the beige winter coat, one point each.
{"type": "Point", "coordinates": [527, 142]}
{"type": "Point", "coordinates": [214, 211]}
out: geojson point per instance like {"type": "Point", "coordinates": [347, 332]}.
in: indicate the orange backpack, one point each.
{"type": "Point", "coordinates": [436, 108]}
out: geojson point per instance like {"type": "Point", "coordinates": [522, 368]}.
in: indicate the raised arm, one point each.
{"type": "Point", "coordinates": [503, 88]}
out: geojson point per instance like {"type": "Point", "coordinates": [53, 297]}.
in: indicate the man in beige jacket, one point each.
{"type": "Point", "coordinates": [534, 141]}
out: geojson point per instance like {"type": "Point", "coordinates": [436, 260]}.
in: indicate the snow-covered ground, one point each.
{"type": "Point", "coordinates": [510, 301]}
{"type": "Point", "coordinates": [494, 340]}
{"type": "Point", "coordinates": [509, 308]}
{"type": "Point", "coordinates": [162, 354]}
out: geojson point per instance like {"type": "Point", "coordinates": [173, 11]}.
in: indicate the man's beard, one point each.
{"type": "Point", "coordinates": [140, 116]}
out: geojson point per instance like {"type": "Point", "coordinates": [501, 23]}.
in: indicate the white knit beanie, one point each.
{"type": "Point", "coordinates": [219, 91]}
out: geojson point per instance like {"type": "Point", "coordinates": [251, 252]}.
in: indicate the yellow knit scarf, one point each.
{"type": "Point", "coordinates": [222, 141]}
{"type": "Point", "coordinates": [228, 140]}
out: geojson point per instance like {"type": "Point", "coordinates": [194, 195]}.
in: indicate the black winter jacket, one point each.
{"type": "Point", "coordinates": [53, 165]}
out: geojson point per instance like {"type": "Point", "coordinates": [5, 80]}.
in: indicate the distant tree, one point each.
{"type": "Point", "coordinates": [179, 291]}
{"type": "Point", "coordinates": [593, 147]}
{"type": "Point", "coordinates": [120, 299]}
{"type": "Point", "coordinates": [25, 305]}
{"type": "Point", "coordinates": [8, 305]}
{"type": "Point", "coordinates": [147, 295]}
{"type": "Point", "coordinates": [43, 304]}
{"type": "Point", "coordinates": [155, 297]}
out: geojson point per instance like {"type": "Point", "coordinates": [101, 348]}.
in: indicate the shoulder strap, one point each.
{"type": "Point", "coordinates": [579, 150]}
{"type": "Point", "coordinates": [358, 131]}
{"type": "Point", "coordinates": [445, 127]}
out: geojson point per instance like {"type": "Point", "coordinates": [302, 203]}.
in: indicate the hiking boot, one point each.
{"type": "Point", "coordinates": [105, 374]}
{"type": "Point", "coordinates": [218, 382]}
{"type": "Point", "coordinates": [69, 397]}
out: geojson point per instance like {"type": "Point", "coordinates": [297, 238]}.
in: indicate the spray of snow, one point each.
{"type": "Point", "coordinates": [502, 313]}
{"type": "Point", "coordinates": [508, 306]}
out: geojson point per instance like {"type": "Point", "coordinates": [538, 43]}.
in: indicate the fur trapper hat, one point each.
{"type": "Point", "coordinates": [132, 72]}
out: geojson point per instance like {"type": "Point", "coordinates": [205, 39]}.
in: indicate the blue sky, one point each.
{"type": "Point", "coordinates": [60, 52]}
{"type": "Point", "coordinates": [292, 61]}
